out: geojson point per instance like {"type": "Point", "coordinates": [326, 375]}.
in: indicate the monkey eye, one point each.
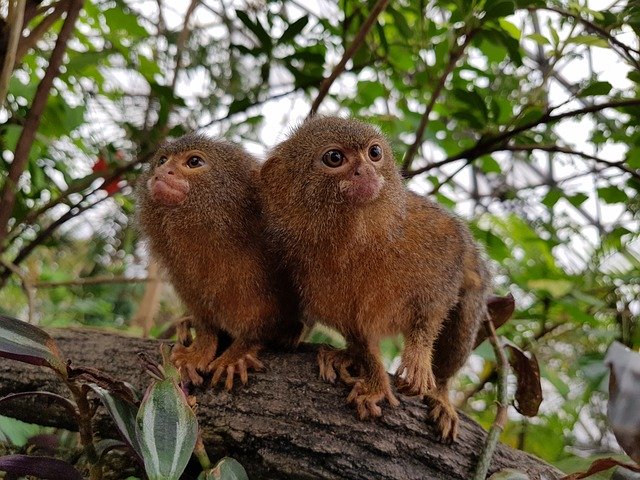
{"type": "Point", "coordinates": [333, 158]}
{"type": "Point", "coordinates": [162, 160]}
{"type": "Point", "coordinates": [375, 152]}
{"type": "Point", "coordinates": [195, 162]}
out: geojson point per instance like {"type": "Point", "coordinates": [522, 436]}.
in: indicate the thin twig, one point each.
{"type": "Point", "coordinates": [486, 144]}
{"type": "Point", "coordinates": [454, 56]}
{"type": "Point", "coordinates": [349, 52]}
{"type": "Point", "coordinates": [15, 19]}
{"type": "Point", "coordinates": [26, 286]}
{"type": "Point", "coordinates": [501, 414]}
{"type": "Point", "coordinates": [569, 151]}
{"type": "Point", "coordinates": [39, 30]}
{"type": "Point", "coordinates": [28, 133]}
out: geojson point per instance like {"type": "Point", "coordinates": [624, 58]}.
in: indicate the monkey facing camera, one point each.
{"type": "Point", "coordinates": [198, 210]}
{"type": "Point", "coordinates": [371, 259]}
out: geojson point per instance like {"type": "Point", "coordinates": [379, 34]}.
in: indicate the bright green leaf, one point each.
{"type": "Point", "coordinates": [596, 88]}
{"type": "Point", "coordinates": [589, 41]}
{"type": "Point", "coordinates": [612, 194]}
{"type": "Point", "coordinates": [556, 287]}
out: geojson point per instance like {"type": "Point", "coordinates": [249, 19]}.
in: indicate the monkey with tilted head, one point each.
{"type": "Point", "coordinates": [371, 259]}
{"type": "Point", "coordinates": [198, 209]}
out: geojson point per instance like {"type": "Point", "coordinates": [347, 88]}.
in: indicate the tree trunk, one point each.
{"type": "Point", "coordinates": [286, 424]}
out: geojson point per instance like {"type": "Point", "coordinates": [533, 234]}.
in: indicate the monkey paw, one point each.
{"type": "Point", "coordinates": [443, 415]}
{"type": "Point", "coordinates": [418, 377]}
{"type": "Point", "coordinates": [235, 361]}
{"type": "Point", "coordinates": [331, 360]}
{"type": "Point", "coordinates": [366, 399]}
{"type": "Point", "coordinates": [194, 360]}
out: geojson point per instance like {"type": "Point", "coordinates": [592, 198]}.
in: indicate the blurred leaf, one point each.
{"type": "Point", "coordinates": [556, 287]}
{"type": "Point", "coordinates": [601, 465]}
{"type": "Point", "coordinates": [499, 8]}
{"type": "Point", "coordinates": [596, 88]}
{"type": "Point", "coordinates": [29, 344]}
{"type": "Point", "coordinates": [612, 194]}
{"type": "Point", "coordinates": [294, 29]}
{"type": "Point", "coordinates": [529, 390]}
{"type": "Point", "coordinates": [257, 29]}
{"type": "Point", "coordinates": [590, 41]}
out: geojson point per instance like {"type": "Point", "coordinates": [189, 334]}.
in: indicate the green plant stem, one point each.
{"type": "Point", "coordinates": [201, 453]}
{"type": "Point", "coordinates": [501, 415]}
{"type": "Point", "coordinates": [86, 428]}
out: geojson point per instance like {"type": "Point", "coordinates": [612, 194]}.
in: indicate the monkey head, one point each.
{"type": "Point", "coordinates": [195, 170]}
{"type": "Point", "coordinates": [340, 160]}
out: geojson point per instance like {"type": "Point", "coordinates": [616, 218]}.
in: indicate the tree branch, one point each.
{"type": "Point", "coordinates": [487, 144]}
{"type": "Point", "coordinates": [349, 52]}
{"type": "Point", "coordinates": [27, 136]}
{"type": "Point", "coordinates": [559, 149]}
{"type": "Point", "coordinates": [15, 20]}
{"type": "Point", "coordinates": [502, 402]}
{"type": "Point", "coordinates": [39, 30]}
{"type": "Point", "coordinates": [285, 424]}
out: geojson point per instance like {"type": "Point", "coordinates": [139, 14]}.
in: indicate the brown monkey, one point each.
{"type": "Point", "coordinates": [370, 258]}
{"type": "Point", "coordinates": [198, 207]}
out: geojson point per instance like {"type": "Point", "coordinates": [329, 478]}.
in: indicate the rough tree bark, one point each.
{"type": "Point", "coordinates": [286, 424]}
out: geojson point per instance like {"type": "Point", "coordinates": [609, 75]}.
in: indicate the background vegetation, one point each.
{"type": "Point", "coordinates": [523, 116]}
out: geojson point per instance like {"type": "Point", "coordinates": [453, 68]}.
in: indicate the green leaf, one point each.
{"type": "Point", "coordinates": [633, 158]}
{"type": "Point", "coordinates": [577, 199]}
{"type": "Point", "coordinates": [488, 164]}
{"type": "Point", "coordinates": [552, 197]}
{"type": "Point", "coordinates": [589, 41]}
{"type": "Point", "coordinates": [167, 429]}
{"type": "Point", "coordinates": [294, 29]}
{"type": "Point", "coordinates": [29, 344]}
{"type": "Point", "coordinates": [226, 469]}
{"type": "Point", "coordinates": [124, 21]}
{"type": "Point", "coordinates": [510, 28]}
{"type": "Point", "coordinates": [539, 39]}
{"type": "Point", "coordinates": [258, 30]}
{"type": "Point", "coordinates": [612, 194]}
{"type": "Point", "coordinates": [123, 414]}
{"type": "Point", "coordinates": [499, 8]}
{"type": "Point", "coordinates": [596, 88]}
{"type": "Point", "coordinates": [556, 287]}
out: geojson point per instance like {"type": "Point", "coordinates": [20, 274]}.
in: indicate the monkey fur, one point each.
{"type": "Point", "coordinates": [371, 258]}
{"type": "Point", "coordinates": [198, 208]}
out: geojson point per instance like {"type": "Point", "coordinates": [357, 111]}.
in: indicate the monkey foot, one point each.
{"type": "Point", "coordinates": [331, 360]}
{"type": "Point", "coordinates": [366, 399]}
{"type": "Point", "coordinates": [234, 361]}
{"type": "Point", "coordinates": [193, 361]}
{"type": "Point", "coordinates": [443, 415]}
{"type": "Point", "coordinates": [418, 376]}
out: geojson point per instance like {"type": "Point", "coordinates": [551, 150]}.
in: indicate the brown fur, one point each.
{"type": "Point", "coordinates": [212, 247]}
{"type": "Point", "coordinates": [396, 264]}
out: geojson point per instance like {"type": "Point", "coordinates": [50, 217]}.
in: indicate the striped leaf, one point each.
{"type": "Point", "coordinates": [167, 429]}
{"type": "Point", "coordinates": [226, 469]}
{"type": "Point", "coordinates": [123, 414]}
{"type": "Point", "coordinates": [29, 344]}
